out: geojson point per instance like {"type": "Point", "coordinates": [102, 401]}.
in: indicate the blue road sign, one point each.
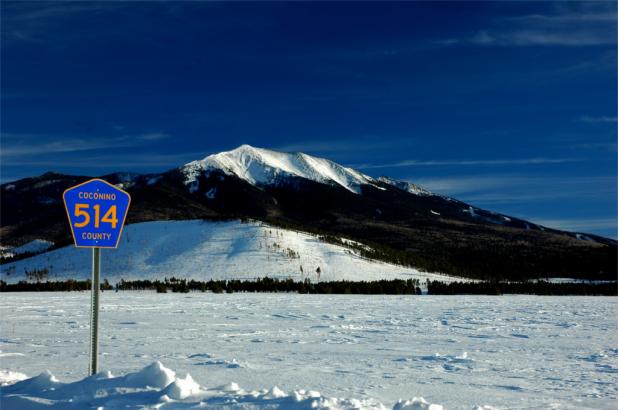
{"type": "Point", "coordinates": [97, 211]}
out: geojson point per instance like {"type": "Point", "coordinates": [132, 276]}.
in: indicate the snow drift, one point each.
{"type": "Point", "coordinates": [156, 386]}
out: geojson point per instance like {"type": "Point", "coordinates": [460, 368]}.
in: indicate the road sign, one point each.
{"type": "Point", "coordinates": [96, 211]}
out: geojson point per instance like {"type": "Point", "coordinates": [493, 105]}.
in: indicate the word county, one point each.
{"type": "Point", "coordinates": [96, 235]}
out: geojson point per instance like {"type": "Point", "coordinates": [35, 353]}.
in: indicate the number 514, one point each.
{"type": "Point", "coordinates": [109, 217]}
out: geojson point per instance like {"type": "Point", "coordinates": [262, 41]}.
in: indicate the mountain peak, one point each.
{"type": "Point", "coordinates": [261, 166]}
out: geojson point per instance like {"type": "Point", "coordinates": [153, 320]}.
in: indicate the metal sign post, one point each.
{"type": "Point", "coordinates": [94, 311]}
{"type": "Point", "coordinates": [96, 210]}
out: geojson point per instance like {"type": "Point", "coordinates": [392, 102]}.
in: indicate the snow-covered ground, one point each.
{"type": "Point", "coordinates": [36, 246]}
{"type": "Point", "coordinates": [511, 352]}
{"type": "Point", "coordinates": [219, 250]}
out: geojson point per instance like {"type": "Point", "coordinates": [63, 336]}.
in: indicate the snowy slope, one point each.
{"type": "Point", "coordinates": [406, 186]}
{"type": "Point", "coordinates": [219, 250]}
{"type": "Point", "coordinates": [260, 166]}
{"type": "Point", "coordinates": [35, 246]}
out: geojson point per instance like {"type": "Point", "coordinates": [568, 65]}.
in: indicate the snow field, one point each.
{"type": "Point", "coordinates": [204, 250]}
{"type": "Point", "coordinates": [459, 352]}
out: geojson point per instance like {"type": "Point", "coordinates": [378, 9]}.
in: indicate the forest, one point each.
{"type": "Point", "coordinates": [379, 287]}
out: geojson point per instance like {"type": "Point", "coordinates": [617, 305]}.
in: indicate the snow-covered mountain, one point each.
{"type": "Point", "coordinates": [405, 186]}
{"type": "Point", "coordinates": [402, 222]}
{"type": "Point", "coordinates": [259, 166]}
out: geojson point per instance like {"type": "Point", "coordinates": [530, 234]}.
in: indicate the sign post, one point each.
{"type": "Point", "coordinates": [94, 311]}
{"type": "Point", "coordinates": [96, 210]}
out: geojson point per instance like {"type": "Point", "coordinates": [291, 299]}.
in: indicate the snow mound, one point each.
{"type": "Point", "coordinates": [9, 377]}
{"type": "Point", "coordinates": [260, 166]}
{"type": "Point", "coordinates": [417, 403]}
{"type": "Point", "coordinates": [180, 389]}
{"type": "Point", "coordinates": [155, 375]}
{"type": "Point", "coordinates": [145, 389]}
{"type": "Point", "coordinates": [43, 381]}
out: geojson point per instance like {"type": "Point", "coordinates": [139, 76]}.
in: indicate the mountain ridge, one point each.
{"type": "Point", "coordinates": [260, 166]}
{"type": "Point", "coordinates": [402, 222]}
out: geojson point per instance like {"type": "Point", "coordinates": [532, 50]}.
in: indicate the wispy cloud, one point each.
{"type": "Point", "coordinates": [422, 163]}
{"type": "Point", "coordinates": [581, 225]}
{"type": "Point", "coordinates": [19, 147]}
{"type": "Point", "coordinates": [31, 21]}
{"type": "Point", "coordinates": [537, 196]}
{"type": "Point", "coordinates": [456, 185]}
{"type": "Point", "coordinates": [517, 189]}
{"type": "Point", "coordinates": [592, 25]}
{"type": "Point", "coordinates": [600, 119]}
{"type": "Point", "coordinates": [153, 136]}
{"type": "Point", "coordinates": [540, 38]}
{"type": "Point", "coordinates": [604, 146]}
{"type": "Point", "coordinates": [95, 164]}
{"type": "Point", "coordinates": [344, 145]}
{"type": "Point", "coordinates": [114, 161]}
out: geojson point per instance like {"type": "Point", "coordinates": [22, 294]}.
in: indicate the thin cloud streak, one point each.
{"type": "Point", "coordinates": [16, 146]}
{"type": "Point", "coordinates": [345, 145]}
{"type": "Point", "coordinates": [120, 161]}
{"type": "Point", "coordinates": [517, 189]}
{"type": "Point", "coordinates": [95, 165]}
{"type": "Point", "coordinates": [580, 225]}
{"type": "Point", "coordinates": [458, 185]}
{"type": "Point", "coordinates": [601, 119]}
{"type": "Point", "coordinates": [595, 26]}
{"type": "Point", "coordinates": [567, 18]}
{"type": "Point", "coordinates": [539, 38]}
{"type": "Point", "coordinates": [522, 197]}
{"type": "Point", "coordinates": [523, 161]}
{"type": "Point", "coordinates": [508, 192]}
{"type": "Point", "coordinates": [605, 146]}
{"type": "Point", "coordinates": [30, 21]}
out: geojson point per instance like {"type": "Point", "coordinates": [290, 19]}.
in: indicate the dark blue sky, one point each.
{"type": "Point", "coordinates": [509, 106]}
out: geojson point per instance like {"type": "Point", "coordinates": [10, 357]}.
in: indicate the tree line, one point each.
{"type": "Point", "coordinates": [69, 285]}
{"type": "Point", "coordinates": [262, 285]}
{"type": "Point", "coordinates": [526, 288]}
{"type": "Point", "coordinates": [379, 287]}
{"type": "Point", "coordinates": [384, 287]}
